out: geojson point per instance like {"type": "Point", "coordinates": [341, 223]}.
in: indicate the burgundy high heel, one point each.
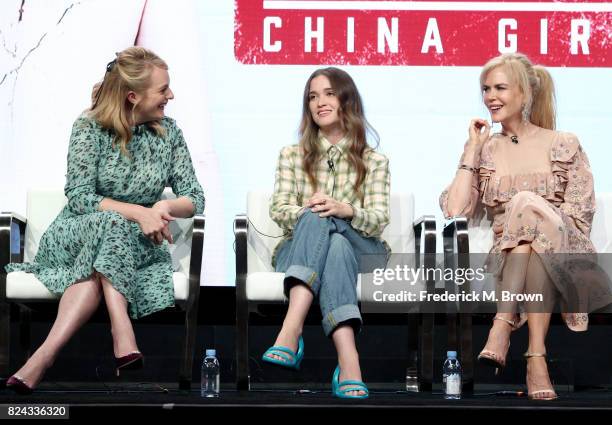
{"type": "Point", "coordinates": [132, 361]}
{"type": "Point", "coordinates": [18, 385]}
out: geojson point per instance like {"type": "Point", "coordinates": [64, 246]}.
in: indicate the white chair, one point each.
{"type": "Point", "coordinates": [19, 239]}
{"type": "Point", "coordinates": [462, 237]}
{"type": "Point", "coordinates": [257, 284]}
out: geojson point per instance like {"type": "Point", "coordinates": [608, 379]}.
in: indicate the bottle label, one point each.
{"type": "Point", "coordinates": [453, 384]}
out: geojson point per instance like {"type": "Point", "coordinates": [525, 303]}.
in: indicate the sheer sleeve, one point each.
{"type": "Point", "coordinates": [82, 172]}
{"type": "Point", "coordinates": [573, 181]}
{"type": "Point", "coordinates": [183, 179]}
{"type": "Point", "coordinates": [479, 186]}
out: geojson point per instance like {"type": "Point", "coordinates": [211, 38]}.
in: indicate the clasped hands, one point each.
{"type": "Point", "coordinates": [327, 206]}
{"type": "Point", "coordinates": [154, 222]}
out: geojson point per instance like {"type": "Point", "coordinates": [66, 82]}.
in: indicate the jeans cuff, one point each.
{"type": "Point", "coordinates": [340, 315]}
{"type": "Point", "coordinates": [304, 274]}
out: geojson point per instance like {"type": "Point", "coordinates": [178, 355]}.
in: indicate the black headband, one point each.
{"type": "Point", "coordinates": [109, 66]}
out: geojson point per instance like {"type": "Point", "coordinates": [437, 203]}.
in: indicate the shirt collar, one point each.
{"type": "Point", "coordinates": [326, 146]}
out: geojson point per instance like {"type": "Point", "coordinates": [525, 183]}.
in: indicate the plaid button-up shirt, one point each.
{"type": "Point", "coordinates": [292, 188]}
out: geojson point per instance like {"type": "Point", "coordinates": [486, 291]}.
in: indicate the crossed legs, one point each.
{"type": "Point", "coordinates": [512, 280]}
{"type": "Point", "coordinates": [300, 300]}
{"type": "Point", "coordinates": [525, 273]}
{"type": "Point", "coordinates": [321, 261]}
{"type": "Point", "coordinates": [76, 306]}
{"type": "Point", "coordinates": [124, 340]}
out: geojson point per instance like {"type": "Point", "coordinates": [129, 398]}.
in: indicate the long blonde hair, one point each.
{"type": "Point", "coordinates": [130, 71]}
{"type": "Point", "coordinates": [353, 122]}
{"type": "Point", "coordinates": [534, 81]}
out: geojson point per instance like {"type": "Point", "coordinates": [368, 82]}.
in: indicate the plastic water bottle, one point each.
{"type": "Point", "coordinates": [452, 376]}
{"type": "Point", "coordinates": [412, 376]}
{"type": "Point", "coordinates": [209, 385]}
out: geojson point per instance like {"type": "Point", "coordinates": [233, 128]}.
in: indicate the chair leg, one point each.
{"type": "Point", "coordinates": [452, 332]}
{"type": "Point", "coordinates": [427, 351]}
{"type": "Point", "coordinates": [412, 368]}
{"type": "Point", "coordinates": [5, 339]}
{"type": "Point", "coordinates": [185, 373]}
{"type": "Point", "coordinates": [25, 326]}
{"type": "Point", "coordinates": [242, 348]}
{"type": "Point", "coordinates": [467, 360]}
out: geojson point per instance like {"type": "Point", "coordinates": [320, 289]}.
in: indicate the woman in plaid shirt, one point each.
{"type": "Point", "coordinates": [331, 196]}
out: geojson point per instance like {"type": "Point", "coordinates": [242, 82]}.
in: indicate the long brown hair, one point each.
{"type": "Point", "coordinates": [353, 122]}
{"type": "Point", "coordinates": [130, 71]}
{"type": "Point", "coordinates": [534, 81]}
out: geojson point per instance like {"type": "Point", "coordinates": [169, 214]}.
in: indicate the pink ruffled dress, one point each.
{"type": "Point", "coordinates": [540, 193]}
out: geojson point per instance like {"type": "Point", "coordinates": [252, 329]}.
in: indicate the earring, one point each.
{"type": "Point", "coordinates": [526, 112]}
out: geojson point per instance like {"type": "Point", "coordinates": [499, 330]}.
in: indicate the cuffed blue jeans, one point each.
{"type": "Point", "coordinates": [325, 255]}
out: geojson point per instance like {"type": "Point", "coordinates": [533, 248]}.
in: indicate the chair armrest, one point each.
{"type": "Point", "coordinates": [12, 238]}
{"type": "Point", "coordinates": [425, 226]}
{"type": "Point", "coordinates": [457, 251]}
{"type": "Point", "coordinates": [241, 227]}
{"type": "Point", "coordinates": [195, 261]}
{"type": "Point", "coordinates": [455, 235]}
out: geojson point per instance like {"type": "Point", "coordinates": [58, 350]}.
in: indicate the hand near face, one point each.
{"type": "Point", "coordinates": [327, 206]}
{"type": "Point", "coordinates": [479, 132]}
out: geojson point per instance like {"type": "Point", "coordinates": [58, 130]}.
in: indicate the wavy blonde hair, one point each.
{"type": "Point", "coordinates": [353, 122]}
{"type": "Point", "coordinates": [130, 71]}
{"type": "Point", "coordinates": [534, 81]}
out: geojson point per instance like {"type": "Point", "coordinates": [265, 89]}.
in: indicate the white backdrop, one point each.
{"type": "Point", "coordinates": [237, 117]}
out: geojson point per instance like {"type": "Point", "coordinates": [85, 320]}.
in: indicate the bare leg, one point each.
{"type": "Point", "coordinates": [348, 358]}
{"type": "Point", "coordinates": [124, 340]}
{"type": "Point", "coordinates": [75, 308]}
{"type": "Point", "coordinates": [538, 320]}
{"type": "Point", "coordinates": [538, 283]}
{"type": "Point", "coordinates": [300, 300]}
{"type": "Point", "coordinates": [513, 280]}
{"type": "Point", "coordinates": [538, 380]}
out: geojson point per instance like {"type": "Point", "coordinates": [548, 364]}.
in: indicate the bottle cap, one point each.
{"type": "Point", "coordinates": [211, 352]}
{"type": "Point", "coordinates": [451, 354]}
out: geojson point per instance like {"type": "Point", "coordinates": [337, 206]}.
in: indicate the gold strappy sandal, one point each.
{"type": "Point", "coordinates": [490, 358]}
{"type": "Point", "coordinates": [533, 395]}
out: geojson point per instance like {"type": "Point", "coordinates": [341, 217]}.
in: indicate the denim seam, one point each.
{"type": "Point", "coordinates": [330, 318]}
{"type": "Point", "coordinates": [313, 277]}
{"type": "Point", "coordinates": [330, 323]}
{"type": "Point", "coordinates": [319, 245]}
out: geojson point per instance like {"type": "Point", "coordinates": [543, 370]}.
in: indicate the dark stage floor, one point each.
{"type": "Point", "coordinates": [154, 399]}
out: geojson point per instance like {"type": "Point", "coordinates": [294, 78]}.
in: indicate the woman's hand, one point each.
{"type": "Point", "coordinates": [327, 206]}
{"type": "Point", "coordinates": [154, 222]}
{"type": "Point", "coordinates": [479, 132]}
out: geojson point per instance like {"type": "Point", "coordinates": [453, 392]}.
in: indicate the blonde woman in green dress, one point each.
{"type": "Point", "coordinates": [110, 241]}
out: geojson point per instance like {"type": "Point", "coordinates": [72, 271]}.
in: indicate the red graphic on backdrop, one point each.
{"type": "Point", "coordinates": [397, 32]}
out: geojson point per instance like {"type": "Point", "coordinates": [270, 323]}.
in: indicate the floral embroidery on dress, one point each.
{"type": "Point", "coordinates": [553, 211]}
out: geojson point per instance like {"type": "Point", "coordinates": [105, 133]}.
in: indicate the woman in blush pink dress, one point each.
{"type": "Point", "coordinates": [536, 185]}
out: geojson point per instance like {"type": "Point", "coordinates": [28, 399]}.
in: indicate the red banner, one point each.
{"type": "Point", "coordinates": [397, 32]}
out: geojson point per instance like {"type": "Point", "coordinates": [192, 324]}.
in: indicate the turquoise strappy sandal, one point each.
{"type": "Point", "coordinates": [350, 385]}
{"type": "Point", "coordinates": [288, 358]}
